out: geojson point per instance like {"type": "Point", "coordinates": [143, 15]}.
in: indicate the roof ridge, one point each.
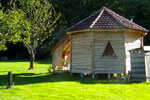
{"type": "Point", "coordinates": [110, 12]}
{"type": "Point", "coordinates": [84, 19]}
{"type": "Point", "coordinates": [121, 23]}
{"type": "Point", "coordinates": [97, 18]}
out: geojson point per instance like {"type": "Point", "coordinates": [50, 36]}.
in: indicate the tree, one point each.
{"type": "Point", "coordinates": [42, 18]}
{"type": "Point", "coordinates": [8, 20]}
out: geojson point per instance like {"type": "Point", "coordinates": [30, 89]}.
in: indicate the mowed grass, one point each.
{"type": "Point", "coordinates": [38, 84]}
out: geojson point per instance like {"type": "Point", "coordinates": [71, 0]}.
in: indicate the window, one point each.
{"type": "Point", "coordinates": [109, 50]}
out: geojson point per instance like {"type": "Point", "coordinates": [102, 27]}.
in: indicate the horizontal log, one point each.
{"type": "Point", "coordinates": [112, 64]}
{"type": "Point", "coordinates": [81, 56]}
{"type": "Point", "coordinates": [100, 59]}
{"type": "Point", "coordinates": [80, 70]}
{"type": "Point", "coordinates": [82, 64]}
{"type": "Point", "coordinates": [80, 61]}
{"type": "Point", "coordinates": [80, 42]}
{"type": "Point", "coordinates": [138, 65]}
{"type": "Point", "coordinates": [108, 39]}
{"type": "Point", "coordinates": [112, 69]}
{"type": "Point", "coordinates": [80, 53]}
{"type": "Point", "coordinates": [102, 42]}
{"type": "Point", "coordinates": [84, 39]}
{"type": "Point", "coordinates": [83, 34]}
{"type": "Point", "coordinates": [105, 71]}
{"type": "Point", "coordinates": [138, 76]}
{"type": "Point", "coordinates": [81, 67]}
{"type": "Point", "coordinates": [133, 60]}
{"type": "Point", "coordinates": [137, 70]}
{"type": "Point", "coordinates": [108, 35]}
{"type": "Point", "coordinates": [115, 48]}
{"type": "Point", "coordinates": [135, 55]}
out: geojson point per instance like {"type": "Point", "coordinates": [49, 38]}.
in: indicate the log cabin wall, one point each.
{"type": "Point", "coordinates": [115, 64]}
{"type": "Point", "coordinates": [57, 54]}
{"type": "Point", "coordinates": [133, 40]}
{"type": "Point", "coordinates": [81, 52]}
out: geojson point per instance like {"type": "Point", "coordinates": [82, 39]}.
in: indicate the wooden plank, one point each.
{"type": "Point", "coordinates": [78, 62]}
{"type": "Point", "coordinates": [100, 55]}
{"type": "Point", "coordinates": [80, 71]}
{"type": "Point", "coordinates": [137, 55]}
{"type": "Point", "coordinates": [86, 58]}
{"type": "Point", "coordinates": [147, 65]}
{"type": "Point", "coordinates": [109, 68]}
{"type": "Point", "coordinates": [71, 53]}
{"type": "Point", "coordinates": [115, 48]}
{"type": "Point", "coordinates": [86, 54]}
{"type": "Point", "coordinates": [108, 63]}
{"type": "Point", "coordinates": [92, 52]}
{"type": "Point", "coordinates": [99, 59]}
{"type": "Point", "coordinates": [138, 76]}
{"type": "Point", "coordinates": [136, 65]}
{"type": "Point", "coordinates": [81, 57]}
{"type": "Point", "coordinates": [101, 42]}
{"type": "Point", "coordinates": [136, 60]}
{"type": "Point", "coordinates": [81, 67]}
{"type": "Point", "coordinates": [121, 67]}
{"type": "Point", "coordinates": [107, 71]}
{"type": "Point", "coordinates": [81, 64]}
{"type": "Point", "coordinates": [136, 71]}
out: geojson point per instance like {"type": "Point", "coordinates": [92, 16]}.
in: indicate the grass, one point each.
{"type": "Point", "coordinates": [38, 84]}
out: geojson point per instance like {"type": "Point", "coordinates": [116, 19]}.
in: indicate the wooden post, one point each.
{"type": "Point", "coordinates": [70, 53]}
{"type": "Point", "coordinates": [119, 76]}
{"type": "Point", "coordinates": [53, 69]}
{"type": "Point", "coordinates": [93, 75]}
{"type": "Point", "coordinates": [71, 74]}
{"type": "Point", "coordinates": [92, 55]}
{"type": "Point", "coordinates": [125, 77]}
{"type": "Point", "coordinates": [81, 75]}
{"type": "Point", "coordinates": [9, 79]}
{"type": "Point", "coordinates": [109, 76]}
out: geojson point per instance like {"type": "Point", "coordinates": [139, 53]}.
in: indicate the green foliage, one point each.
{"type": "Point", "coordinates": [12, 27]}
{"type": "Point", "coordinates": [42, 17]}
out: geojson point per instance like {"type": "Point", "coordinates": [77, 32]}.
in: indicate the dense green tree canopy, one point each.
{"type": "Point", "coordinates": [12, 27]}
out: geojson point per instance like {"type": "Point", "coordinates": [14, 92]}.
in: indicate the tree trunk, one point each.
{"type": "Point", "coordinates": [32, 58]}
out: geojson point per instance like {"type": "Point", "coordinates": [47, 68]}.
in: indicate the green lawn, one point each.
{"type": "Point", "coordinates": [38, 84]}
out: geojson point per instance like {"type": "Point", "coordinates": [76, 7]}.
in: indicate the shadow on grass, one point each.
{"type": "Point", "coordinates": [37, 61]}
{"type": "Point", "coordinates": [32, 78]}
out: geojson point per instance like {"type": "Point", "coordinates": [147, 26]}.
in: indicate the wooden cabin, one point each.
{"type": "Point", "coordinates": [61, 55]}
{"type": "Point", "coordinates": [101, 42]}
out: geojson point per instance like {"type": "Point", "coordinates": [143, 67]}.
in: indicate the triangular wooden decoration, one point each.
{"type": "Point", "coordinates": [109, 50]}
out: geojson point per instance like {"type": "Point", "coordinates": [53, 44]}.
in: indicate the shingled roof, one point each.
{"type": "Point", "coordinates": [105, 18]}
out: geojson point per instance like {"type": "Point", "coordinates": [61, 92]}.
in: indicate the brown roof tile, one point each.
{"type": "Point", "coordinates": [105, 18]}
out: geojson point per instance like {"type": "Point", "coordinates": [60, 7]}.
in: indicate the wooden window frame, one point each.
{"type": "Point", "coordinates": [108, 51]}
